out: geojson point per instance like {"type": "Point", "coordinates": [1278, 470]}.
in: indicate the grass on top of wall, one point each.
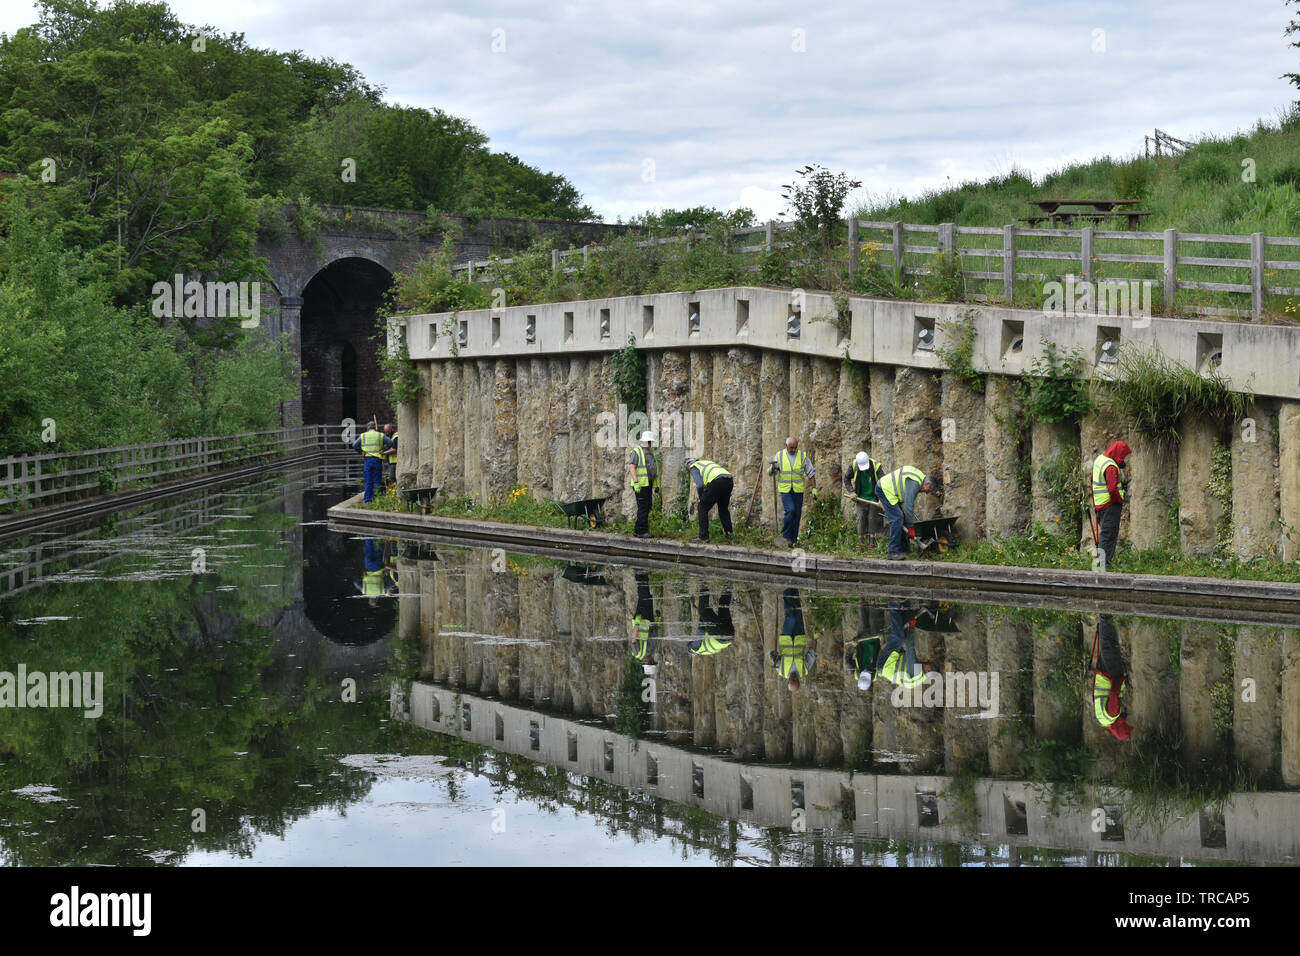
{"type": "Point", "coordinates": [826, 532]}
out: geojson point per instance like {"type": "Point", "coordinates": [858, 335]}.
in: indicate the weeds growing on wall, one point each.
{"type": "Point", "coordinates": [629, 376]}
{"type": "Point", "coordinates": [958, 351]}
{"type": "Point", "coordinates": [1055, 389]}
{"type": "Point", "coordinates": [1066, 486]}
{"type": "Point", "coordinates": [1220, 488]}
{"type": "Point", "coordinates": [1156, 393]}
{"type": "Point", "coordinates": [945, 283]}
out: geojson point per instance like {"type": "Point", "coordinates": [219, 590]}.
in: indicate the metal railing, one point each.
{"type": "Point", "coordinates": [1154, 257]}
{"type": "Point", "coordinates": [28, 481]}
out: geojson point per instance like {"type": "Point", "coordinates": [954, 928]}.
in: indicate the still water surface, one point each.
{"type": "Point", "coordinates": [277, 692]}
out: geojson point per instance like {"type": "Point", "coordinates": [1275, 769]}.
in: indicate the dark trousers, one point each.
{"type": "Point", "coordinates": [1108, 519]}
{"type": "Point", "coordinates": [373, 470]}
{"type": "Point", "coordinates": [717, 491]}
{"type": "Point", "coordinates": [792, 501]}
{"type": "Point", "coordinates": [644, 498]}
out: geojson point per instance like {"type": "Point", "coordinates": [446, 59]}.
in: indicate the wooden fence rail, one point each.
{"type": "Point", "coordinates": [31, 480]}
{"type": "Point", "coordinates": [1265, 255]}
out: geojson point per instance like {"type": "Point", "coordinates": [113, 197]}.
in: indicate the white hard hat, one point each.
{"type": "Point", "coordinates": [864, 680]}
{"type": "Point", "coordinates": [647, 436]}
{"type": "Point", "coordinates": [863, 461]}
{"type": "Point", "coordinates": [649, 669]}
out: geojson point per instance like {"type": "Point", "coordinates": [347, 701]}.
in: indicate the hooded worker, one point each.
{"type": "Point", "coordinates": [1108, 493]}
{"type": "Point", "coordinates": [1109, 681]}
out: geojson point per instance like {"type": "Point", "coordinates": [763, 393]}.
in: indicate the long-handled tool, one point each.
{"type": "Point", "coordinates": [753, 498]}
{"type": "Point", "coordinates": [865, 501]}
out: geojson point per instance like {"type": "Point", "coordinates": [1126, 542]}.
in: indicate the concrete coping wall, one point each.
{"type": "Point", "coordinates": [1263, 359]}
{"type": "Point", "coordinates": [1255, 827]}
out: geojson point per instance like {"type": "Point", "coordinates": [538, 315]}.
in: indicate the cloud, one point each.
{"type": "Point", "coordinates": [728, 99]}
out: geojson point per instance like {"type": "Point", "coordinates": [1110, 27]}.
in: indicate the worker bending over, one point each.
{"type": "Point", "coordinates": [713, 482]}
{"type": "Point", "coordinates": [897, 491]}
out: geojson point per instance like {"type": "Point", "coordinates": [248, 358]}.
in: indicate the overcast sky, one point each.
{"type": "Point", "coordinates": [649, 105]}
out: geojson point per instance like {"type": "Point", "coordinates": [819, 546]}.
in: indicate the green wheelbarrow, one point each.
{"type": "Point", "coordinates": [590, 512]}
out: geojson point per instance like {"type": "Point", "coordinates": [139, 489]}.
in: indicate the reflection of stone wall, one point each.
{"type": "Point", "coordinates": [483, 426]}
{"type": "Point", "coordinates": [530, 635]}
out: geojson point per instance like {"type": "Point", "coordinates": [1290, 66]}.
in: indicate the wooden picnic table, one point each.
{"type": "Point", "coordinates": [1102, 209]}
{"type": "Point", "coordinates": [1050, 206]}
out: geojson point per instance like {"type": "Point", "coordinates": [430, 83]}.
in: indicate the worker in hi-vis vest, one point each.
{"type": "Point", "coordinates": [716, 628]}
{"type": "Point", "coordinates": [897, 492]}
{"type": "Point", "coordinates": [793, 469]}
{"type": "Point", "coordinates": [1109, 680]}
{"type": "Point", "coordinates": [372, 584]}
{"type": "Point", "coordinates": [795, 652]}
{"type": "Point", "coordinates": [390, 455]}
{"type": "Point", "coordinates": [713, 483]}
{"type": "Point", "coordinates": [641, 636]}
{"type": "Point", "coordinates": [372, 445]}
{"type": "Point", "coordinates": [644, 472]}
{"type": "Point", "coordinates": [1108, 493]}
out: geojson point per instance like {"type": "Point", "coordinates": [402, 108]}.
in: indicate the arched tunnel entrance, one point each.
{"type": "Point", "coordinates": [341, 376]}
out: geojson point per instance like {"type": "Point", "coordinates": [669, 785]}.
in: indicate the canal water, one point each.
{"type": "Point", "coordinates": [252, 686]}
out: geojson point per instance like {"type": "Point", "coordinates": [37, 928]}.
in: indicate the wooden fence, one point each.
{"type": "Point", "coordinates": [32, 480]}
{"type": "Point", "coordinates": [1001, 253]}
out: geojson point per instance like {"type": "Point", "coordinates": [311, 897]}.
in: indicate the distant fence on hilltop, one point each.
{"type": "Point", "coordinates": [1213, 280]}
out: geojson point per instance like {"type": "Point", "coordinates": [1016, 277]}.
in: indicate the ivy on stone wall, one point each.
{"type": "Point", "coordinates": [629, 376]}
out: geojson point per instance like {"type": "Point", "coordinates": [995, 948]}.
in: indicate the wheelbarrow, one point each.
{"type": "Point", "coordinates": [418, 497]}
{"type": "Point", "coordinates": [590, 512]}
{"type": "Point", "coordinates": [588, 574]}
{"type": "Point", "coordinates": [937, 533]}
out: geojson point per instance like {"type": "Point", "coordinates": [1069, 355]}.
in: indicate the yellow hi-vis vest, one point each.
{"type": "Point", "coordinates": [893, 671]}
{"type": "Point", "coordinates": [372, 583]}
{"type": "Point", "coordinates": [790, 476]}
{"type": "Point", "coordinates": [790, 651]}
{"type": "Point", "coordinates": [642, 638]}
{"type": "Point", "coordinates": [642, 473]}
{"type": "Point", "coordinates": [892, 484]}
{"type": "Point", "coordinates": [372, 443]}
{"type": "Point", "coordinates": [710, 645]}
{"type": "Point", "coordinates": [1100, 694]}
{"type": "Point", "coordinates": [709, 470]}
{"type": "Point", "coordinates": [391, 454]}
{"type": "Point", "coordinates": [1100, 493]}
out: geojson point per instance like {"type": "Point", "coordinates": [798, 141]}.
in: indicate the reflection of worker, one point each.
{"type": "Point", "coordinates": [897, 491]}
{"type": "Point", "coordinates": [1109, 680]}
{"type": "Point", "coordinates": [861, 653]}
{"type": "Point", "coordinates": [795, 654]}
{"type": "Point", "coordinates": [640, 641]}
{"type": "Point", "coordinates": [390, 565]}
{"type": "Point", "coordinates": [371, 584]}
{"type": "Point", "coordinates": [897, 661]}
{"type": "Point", "coordinates": [860, 480]}
{"type": "Point", "coordinates": [1108, 493]}
{"type": "Point", "coordinates": [716, 629]}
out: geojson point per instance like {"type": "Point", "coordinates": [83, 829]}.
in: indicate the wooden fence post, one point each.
{"type": "Point", "coordinates": [1009, 263]}
{"type": "Point", "coordinates": [769, 235]}
{"type": "Point", "coordinates": [897, 250]}
{"type": "Point", "coordinates": [947, 237]}
{"type": "Point", "coordinates": [555, 260]}
{"type": "Point", "coordinates": [1256, 275]}
{"type": "Point", "coordinates": [1171, 268]}
{"type": "Point", "coordinates": [853, 246]}
{"type": "Point", "coordinates": [1085, 253]}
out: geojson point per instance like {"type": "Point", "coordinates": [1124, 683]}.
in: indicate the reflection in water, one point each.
{"type": "Point", "coordinates": [681, 717]}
